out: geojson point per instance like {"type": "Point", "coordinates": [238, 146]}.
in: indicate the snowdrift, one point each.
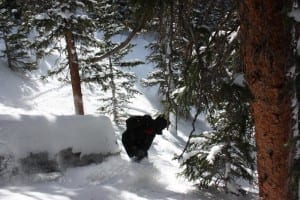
{"type": "Point", "coordinates": [77, 139]}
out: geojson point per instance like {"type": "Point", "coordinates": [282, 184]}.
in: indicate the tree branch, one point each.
{"type": "Point", "coordinates": [191, 134]}
{"type": "Point", "coordinates": [123, 44]}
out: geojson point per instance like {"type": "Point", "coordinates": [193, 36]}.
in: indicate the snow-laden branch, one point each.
{"type": "Point", "coordinates": [123, 44]}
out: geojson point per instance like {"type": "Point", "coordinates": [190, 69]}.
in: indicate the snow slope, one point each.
{"type": "Point", "coordinates": [117, 177]}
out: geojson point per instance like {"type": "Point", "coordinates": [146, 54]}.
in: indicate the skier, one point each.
{"type": "Point", "coordinates": [139, 134]}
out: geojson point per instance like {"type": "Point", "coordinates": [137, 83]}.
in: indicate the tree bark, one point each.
{"type": "Point", "coordinates": [266, 50]}
{"type": "Point", "coordinates": [74, 72]}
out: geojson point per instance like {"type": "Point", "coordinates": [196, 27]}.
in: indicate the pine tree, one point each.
{"type": "Point", "coordinates": [110, 74]}
{"type": "Point", "coordinates": [168, 54]}
{"type": "Point", "coordinates": [119, 87]}
{"type": "Point", "coordinates": [267, 55]}
{"type": "Point", "coordinates": [15, 37]}
{"type": "Point", "coordinates": [223, 156]}
{"type": "Point", "coordinates": [205, 71]}
{"type": "Point", "coordinates": [73, 23]}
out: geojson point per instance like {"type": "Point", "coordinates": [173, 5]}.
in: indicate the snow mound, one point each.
{"type": "Point", "coordinates": [25, 134]}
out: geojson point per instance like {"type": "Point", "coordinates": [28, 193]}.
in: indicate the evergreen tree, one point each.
{"type": "Point", "coordinates": [15, 37]}
{"type": "Point", "coordinates": [165, 57]}
{"type": "Point", "coordinates": [223, 156]}
{"type": "Point", "coordinates": [182, 51]}
{"type": "Point", "coordinates": [78, 23]}
{"type": "Point", "coordinates": [213, 82]}
{"type": "Point", "coordinates": [268, 57]}
{"type": "Point", "coordinates": [119, 87]}
{"type": "Point", "coordinates": [75, 23]}
{"type": "Point", "coordinates": [198, 40]}
{"type": "Point", "coordinates": [110, 74]}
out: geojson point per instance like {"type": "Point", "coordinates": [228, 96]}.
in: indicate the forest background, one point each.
{"type": "Point", "coordinates": [237, 62]}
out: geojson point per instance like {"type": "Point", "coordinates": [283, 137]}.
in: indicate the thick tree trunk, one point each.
{"type": "Point", "coordinates": [266, 50]}
{"type": "Point", "coordinates": [74, 72]}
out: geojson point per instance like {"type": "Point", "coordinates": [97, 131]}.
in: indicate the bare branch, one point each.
{"type": "Point", "coordinates": [191, 133]}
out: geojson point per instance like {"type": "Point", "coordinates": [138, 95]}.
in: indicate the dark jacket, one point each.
{"type": "Point", "coordinates": [140, 132]}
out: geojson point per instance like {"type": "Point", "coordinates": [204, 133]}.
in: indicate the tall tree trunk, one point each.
{"type": "Point", "coordinates": [74, 72]}
{"type": "Point", "coordinates": [113, 91]}
{"type": "Point", "coordinates": [8, 51]}
{"type": "Point", "coordinates": [266, 50]}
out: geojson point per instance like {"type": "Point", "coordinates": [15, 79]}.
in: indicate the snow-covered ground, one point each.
{"type": "Point", "coordinates": [117, 177]}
